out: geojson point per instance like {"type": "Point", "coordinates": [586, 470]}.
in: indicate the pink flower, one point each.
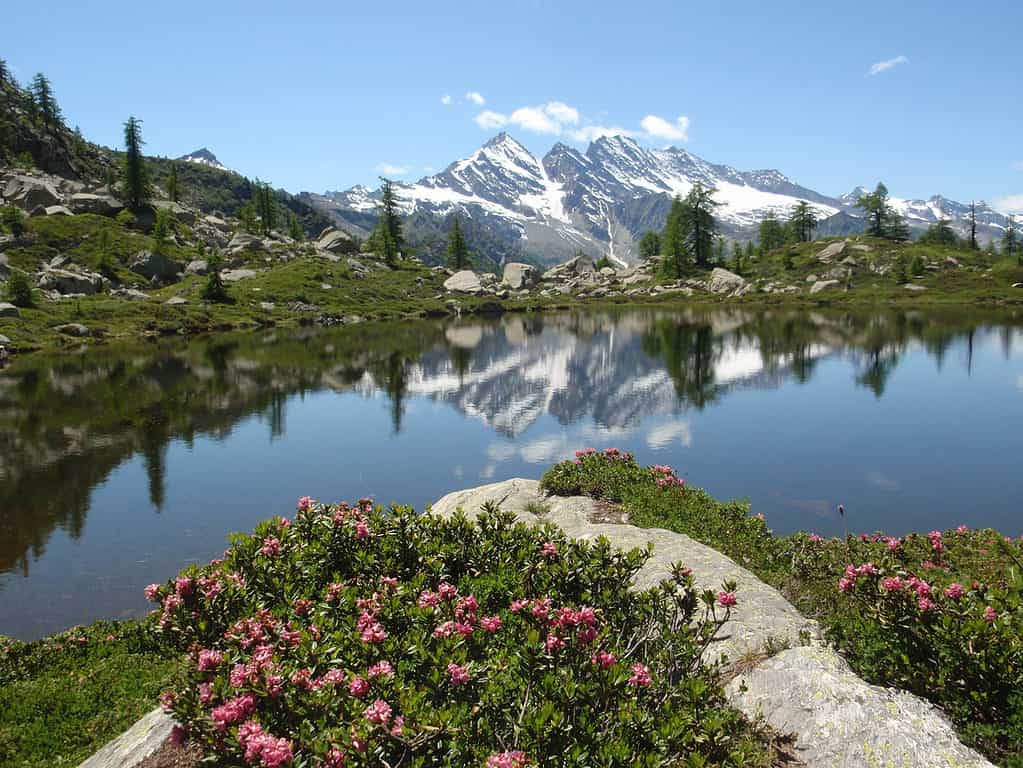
{"type": "Point", "coordinates": [587, 635]}
{"type": "Point", "coordinates": [374, 634]}
{"type": "Point", "coordinates": [603, 659]}
{"type": "Point", "coordinates": [183, 586]}
{"type": "Point", "coordinates": [726, 599]}
{"type": "Point", "coordinates": [378, 712]}
{"type": "Point", "coordinates": [233, 711]}
{"type": "Point", "coordinates": [153, 593]}
{"type": "Point", "coordinates": [209, 660]}
{"type": "Point", "coordinates": [271, 546]}
{"type": "Point", "coordinates": [305, 503]}
{"type": "Point", "coordinates": [389, 583]}
{"type": "Point", "coordinates": [358, 687]}
{"type": "Point", "coordinates": [925, 604]}
{"type": "Point", "coordinates": [463, 628]}
{"type": "Point", "coordinates": [380, 669]}
{"type": "Point", "coordinates": [640, 676]}
{"type": "Point", "coordinates": [514, 759]}
{"type": "Point", "coordinates": [893, 584]}
{"type": "Point", "coordinates": [816, 538]}
{"type": "Point", "coordinates": [361, 529]}
{"type": "Point", "coordinates": [205, 693]}
{"type": "Point", "coordinates": [962, 529]}
{"type": "Point", "coordinates": [398, 728]}
{"type": "Point", "coordinates": [990, 615]}
{"type": "Point", "coordinates": [541, 609]}
{"type": "Point", "coordinates": [518, 605]}
{"type": "Point", "coordinates": [491, 623]}
{"type": "Point", "coordinates": [335, 758]}
{"type": "Point", "coordinates": [447, 591]}
{"type": "Point", "coordinates": [553, 643]}
{"type": "Point", "coordinates": [549, 549]}
{"type": "Point", "coordinates": [302, 606]}
{"type": "Point", "coordinates": [846, 585]}
{"type": "Point", "coordinates": [447, 629]}
{"type": "Point", "coordinates": [429, 599]}
{"type": "Point", "coordinates": [334, 677]}
{"type": "Point", "coordinates": [467, 605]}
{"type": "Point", "coordinates": [458, 674]}
{"type": "Point", "coordinates": [178, 735]}
{"type": "Point", "coordinates": [954, 591]}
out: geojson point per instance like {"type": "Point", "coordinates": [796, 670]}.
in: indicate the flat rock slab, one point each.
{"type": "Point", "coordinates": [762, 615]}
{"type": "Point", "coordinates": [134, 745]}
{"type": "Point", "coordinates": [840, 720]}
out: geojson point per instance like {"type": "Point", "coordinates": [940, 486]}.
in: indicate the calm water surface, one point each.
{"type": "Point", "coordinates": [119, 466]}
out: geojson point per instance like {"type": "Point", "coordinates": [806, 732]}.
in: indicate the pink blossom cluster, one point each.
{"type": "Point", "coordinates": [515, 759]}
{"type": "Point", "coordinates": [853, 573]}
{"type": "Point", "coordinates": [640, 676]}
{"type": "Point", "coordinates": [458, 674]}
{"type": "Point", "coordinates": [937, 544]}
{"type": "Point", "coordinates": [209, 660]}
{"type": "Point", "coordinates": [262, 747]}
{"type": "Point", "coordinates": [233, 711]}
{"type": "Point", "coordinates": [665, 477]}
{"type": "Point", "coordinates": [727, 599]}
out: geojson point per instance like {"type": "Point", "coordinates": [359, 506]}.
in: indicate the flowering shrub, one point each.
{"type": "Point", "coordinates": [938, 614]}
{"type": "Point", "coordinates": [354, 635]}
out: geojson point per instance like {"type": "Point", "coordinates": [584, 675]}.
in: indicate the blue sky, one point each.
{"type": "Point", "coordinates": [323, 94]}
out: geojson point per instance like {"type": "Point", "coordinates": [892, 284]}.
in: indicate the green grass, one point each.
{"type": "Point", "coordinates": [61, 699]}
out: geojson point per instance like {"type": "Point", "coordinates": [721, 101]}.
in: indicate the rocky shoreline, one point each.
{"type": "Point", "coordinates": [777, 666]}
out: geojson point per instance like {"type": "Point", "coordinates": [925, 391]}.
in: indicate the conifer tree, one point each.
{"type": "Point", "coordinates": [675, 248]}
{"type": "Point", "coordinates": [45, 102]}
{"type": "Point", "coordinates": [974, 245]}
{"type": "Point", "coordinates": [719, 256]}
{"type": "Point", "coordinates": [458, 251]}
{"type": "Point", "coordinates": [749, 252]}
{"type": "Point", "coordinates": [395, 240]}
{"type": "Point", "coordinates": [650, 246]}
{"type": "Point", "coordinates": [803, 221]}
{"type": "Point", "coordinates": [772, 233]}
{"type": "Point", "coordinates": [136, 187]}
{"type": "Point", "coordinates": [699, 222]}
{"type": "Point", "coordinates": [295, 228]}
{"type": "Point", "coordinates": [737, 257]}
{"type": "Point", "coordinates": [110, 178]}
{"type": "Point", "coordinates": [882, 219]}
{"type": "Point", "coordinates": [1010, 238]}
{"type": "Point", "coordinates": [173, 185]}
{"type": "Point", "coordinates": [940, 233]}
{"type": "Point", "coordinates": [5, 73]}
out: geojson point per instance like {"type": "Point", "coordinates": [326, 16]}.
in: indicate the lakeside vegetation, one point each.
{"type": "Point", "coordinates": [937, 614]}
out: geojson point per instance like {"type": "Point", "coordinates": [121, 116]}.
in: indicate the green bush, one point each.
{"type": "Point", "coordinates": [125, 218]}
{"type": "Point", "coordinates": [13, 220]}
{"type": "Point", "coordinates": [916, 267]}
{"type": "Point", "coordinates": [361, 636]}
{"type": "Point", "coordinates": [215, 291]}
{"type": "Point", "coordinates": [19, 289]}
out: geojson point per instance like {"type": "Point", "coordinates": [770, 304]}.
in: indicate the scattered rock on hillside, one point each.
{"type": "Point", "coordinates": [465, 281]}
{"type": "Point", "coordinates": [67, 282]}
{"type": "Point", "coordinates": [580, 265]}
{"type": "Point", "coordinates": [73, 329]}
{"type": "Point", "coordinates": [518, 276]}
{"type": "Point", "coordinates": [9, 310]}
{"type": "Point", "coordinates": [197, 267]}
{"type": "Point", "coordinates": [336, 241]}
{"type": "Point", "coordinates": [130, 294]}
{"type": "Point", "coordinates": [181, 213]}
{"type": "Point", "coordinates": [245, 242]}
{"type": "Point", "coordinates": [832, 251]}
{"type": "Point", "coordinates": [723, 281]}
{"type": "Point", "coordinates": [101, 205]}
{"type": "Point", "coordinates": [234, 275]}
{"type": "Point", "coordinates": [57, 210]}
{"type": "Point", "coordinates": [914, 287]}
{"type": "Point", "coordinates": [28, 192]}
{"type": "Point", "coordinates": [176, 301]}
{"type": "Point", "coordinates": [823, 285]}
{"type": "Point", "coordinates": [151, 264]}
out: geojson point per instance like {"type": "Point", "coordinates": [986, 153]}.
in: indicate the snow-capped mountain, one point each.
{"type": "Point", "coordinates": [602, 200]}
{"type": "Point", "coordinates": [203, 157]}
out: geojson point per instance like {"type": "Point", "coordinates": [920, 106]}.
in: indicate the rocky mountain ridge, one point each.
{"type": "Point", "coordinates": [602, 200]}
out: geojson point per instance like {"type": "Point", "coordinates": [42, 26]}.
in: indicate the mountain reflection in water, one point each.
{"type": "Point", "coordinates": [132, 461]}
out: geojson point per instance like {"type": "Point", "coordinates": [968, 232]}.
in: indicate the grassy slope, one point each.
{"type": "Point", "coordinates": [63, 697]}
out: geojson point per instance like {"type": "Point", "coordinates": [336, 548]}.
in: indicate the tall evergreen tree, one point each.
{"type": "Point", "coordinates": [719, 255]}
{"type": "Point", "coordinates": [674, 248]}
{"type": "Point", "coordinates": [264, 202]}
{"type": "Point", "coordinates": [882, 219]}
{"type": "Point", "coordinates": [5, 73]}
{"type": "Point", "coordinates": [136, 187]}
{"type": "Point", "coordinates": [772, 233]}
{"type": "Point", "coordinates": [458, 251]}
{"type": "Point", "coordinates": [650, 246]}
{"type": "Point", "coordinates": [173, 185]}
{"type": "Point", "coordinates": [699, 222]}
{"type": "Point", "coordinates": [1010, 238]}
{"type": "Point", "coordinates": [940, 233]}
{"type": "Point", "coordinates": [110, 178]}
{"type": "Point", "coordinates": [45, 102]}
{"type": "Point", "coordinates": [803, 221]}
{"type": "Point", "coordinates": [750, 252]}
{"type": "Point", "coordinates": [390, 215]}
{"type": "Point", "coordinates": [295, 228]}
{"type": "Point", "coordinates": [974, 245]}
{"type": "Point", "coordinates": [737, 265]}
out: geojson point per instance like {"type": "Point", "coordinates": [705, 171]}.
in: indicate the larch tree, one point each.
{"type": "Point", "coordinates": [675, 248]}
{"type": "Point", "coordinates": [45, 102]}
{"type": "Point", "coordinates": [1010, 239]}
{"type": "Point", "coordinates": [771, 233]}
{"type": "Point", "coordinates": [650, 246]}
{"type": "Point", "coordinates": [458, 251]}
{"type": "Point", "coordinates": [136, 187]}
{"type": "Point", "coordinates": [173, 184]}
{"type": "Point", "coordinates": [803, 221]}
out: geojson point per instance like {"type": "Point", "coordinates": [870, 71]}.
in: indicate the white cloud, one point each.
{"type": "Point", "coordinates": [476, 98]}
{"type": "Point", "coordinates": [1009, 204]}
{"type": "Point", "coordinates": [535, 119]}
{"type": "Point", "coordinates": [429, 169]}
{"type": "Point", "coordinates": [883, 66]}
{"type": "Point", "coordinates": [658, 128]}
{"type": "Point", "coordinates": [664, 435]}
{"type": "Point", "coordinates": [446, 99]}
{"type": "Point", "coordinates": [488, 120]}
{"type": "Point", "coordinates": [563, 113]}
{"type": "Point", "coordinates": [1018, 166]}
{"type": "Point", "coordinates": [390, 169]}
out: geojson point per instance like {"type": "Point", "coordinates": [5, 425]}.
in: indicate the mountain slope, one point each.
{"type": "Point", "coordinates": [204, 157]}
{"type": "Point", "coordinates": [602, 200]}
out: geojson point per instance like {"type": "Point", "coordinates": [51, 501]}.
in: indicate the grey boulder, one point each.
{"type": "Point", "coordinates": [9, 310]}
{"type": "Point", "coordinates": [101, 205]}
{"type": "Point", "coordinates": [518, 276]}
{"type": "Point", "coordinates": [823, 285]}
{"type": "Point", "coordinates": [465, 281]}
{"type": "Point", "coordinates": [28, 192]}
{"type": "Point", "coordinates": [831, 251]}
{"type": "Point", "coordinates": [65, 282]}
{"type": "Point", "coordinates": [152, 264]}
{"type": "Point", "coordinates": [723, 281]}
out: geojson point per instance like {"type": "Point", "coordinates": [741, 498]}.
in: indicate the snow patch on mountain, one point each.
{"type": "Point", "coordinates": [203, 157]}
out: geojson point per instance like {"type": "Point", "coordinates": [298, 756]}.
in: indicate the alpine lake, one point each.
{"type": "Point", "coordinates": [119, 465]}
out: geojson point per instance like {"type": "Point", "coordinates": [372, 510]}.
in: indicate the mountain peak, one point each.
{"type": "Point", "coordinates": [203, 156]}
